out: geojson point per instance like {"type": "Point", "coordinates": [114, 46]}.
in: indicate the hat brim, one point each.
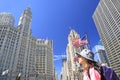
{"type": "Point", "coordinates": [78, 54]}
{"type": "Point", "coordinates": [85, 57]}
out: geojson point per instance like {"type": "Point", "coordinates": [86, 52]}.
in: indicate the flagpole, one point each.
{"type": "Point", "coordinates": [88, 41]}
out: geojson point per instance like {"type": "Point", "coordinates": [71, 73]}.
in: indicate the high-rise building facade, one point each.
{"type": "Point", "coordinates": [70, 51]}
{"type": "Point", "coordinates": [44, 60]}
{"type": "Point", "coordinates": [55, 75]}
{"type": "Point", "coordinates": [107, 20]}
{"type": "Point", "coordinates": [8, 44]}
{"type": "Point", "coordinates": [6, 19]}
{"type": "Point", "coordinates": [102, 55]}
{"type": "Point", "coordinates": [64, 72]}
{"type": "Point", "coordinates": [20, 52]}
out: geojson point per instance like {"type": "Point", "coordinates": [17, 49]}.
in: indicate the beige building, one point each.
{"type": "Point", "coordinates": [44, 59]}
{"type": "Point", "coordinates": [107, 21]}
{"type": "Point", "coordinates": [20, 52]}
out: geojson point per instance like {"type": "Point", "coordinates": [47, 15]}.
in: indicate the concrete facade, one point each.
{"type": "Point", "coordinates": [107, 21]}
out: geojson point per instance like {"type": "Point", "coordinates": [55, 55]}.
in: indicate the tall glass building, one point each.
{"type": "Point", "coordinates": [102, 55]}
{"type": "Point", "coordinates": [107, 21]}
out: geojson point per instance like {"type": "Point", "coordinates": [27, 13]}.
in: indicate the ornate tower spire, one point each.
{"type": "Point", "coordinates": [25, 19]}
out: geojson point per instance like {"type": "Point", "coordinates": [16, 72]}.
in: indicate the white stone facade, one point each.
{"type": "Point", "coordinates": [21, 53]}
{"type": "Point", "coordinates": [107, 21]}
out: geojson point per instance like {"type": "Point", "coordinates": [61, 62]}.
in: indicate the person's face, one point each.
{"type": "Point", "coordinates": [81, 60]}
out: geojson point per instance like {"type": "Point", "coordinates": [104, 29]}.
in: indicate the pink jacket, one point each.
{"type": "Point", "coordinates": [94, 75]}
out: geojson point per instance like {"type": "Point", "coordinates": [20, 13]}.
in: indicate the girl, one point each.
{"type": "Point", "coordinates": [86, 59]}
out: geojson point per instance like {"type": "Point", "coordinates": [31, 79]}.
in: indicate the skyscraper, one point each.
{"type": "Point", "coordinates": [107, 20]}
{"type": "Point", "coordinates": [55, 75]}
{"type": "Point", "coordinates": [20, 52]}
{"type": "Point", "coordinates": [44, 60]}
{"type": "Point", "coordinates": [70, 51]}
{"type": "Point", "coordinates": [6, 19]}
{"type": "Point", "coordinates": [64, 72]}
{"type": "Point", "coordinates": [102, 55]}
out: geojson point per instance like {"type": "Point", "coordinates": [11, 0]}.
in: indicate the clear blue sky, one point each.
{"type": "Point", "coordinates": [52, 19]}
